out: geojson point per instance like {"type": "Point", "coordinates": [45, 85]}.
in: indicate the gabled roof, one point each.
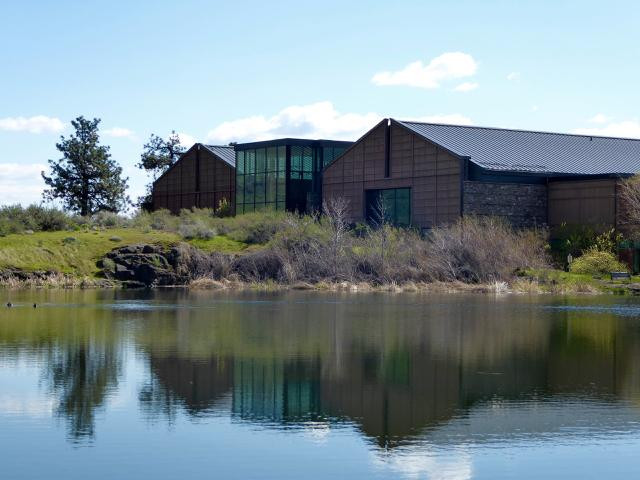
{"type": "Point", "coordinates": [534, 152]}
{"type": "Point", "coordinates": [224, 152]}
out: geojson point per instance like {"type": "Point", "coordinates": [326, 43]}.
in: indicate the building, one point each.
{"type": "Point", "coordinates": [284, 174]}
{"type": "Point", "coordinates": [426, 174]}
{"type": "Point", "coordinates": [202, 177]}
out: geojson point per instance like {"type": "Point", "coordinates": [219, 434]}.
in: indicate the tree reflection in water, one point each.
{"type": "Point", "coordinates": [81, 376]}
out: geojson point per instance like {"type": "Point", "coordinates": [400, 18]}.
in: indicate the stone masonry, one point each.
{"type": "Point", "coordinates": [523, 205]}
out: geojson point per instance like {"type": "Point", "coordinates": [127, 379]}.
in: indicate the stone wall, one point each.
{"type": "Point", "coordinates": [523, 205]}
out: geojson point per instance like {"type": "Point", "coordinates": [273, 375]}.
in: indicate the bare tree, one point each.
{"type": "Point", "coordinates": [335, 211]}
{"type": "Point", "coordinates": [630, 196]}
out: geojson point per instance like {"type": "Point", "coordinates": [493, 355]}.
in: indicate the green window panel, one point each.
{"type": "Point", "coordinates": [239, 189]}
{"type": "Point", "coordinates": [249, 191]}
{"type": "Point", "coordinates": [260, 188]}
{"type": "Point", "coordinates": [272, 159]}
{"type": "Point", "coordinates": [281, 188]}
{"type": "Point", "coordinates": [395, 203]}
{"type": "Point", "coordinates": [240, 162]}
{"type": "Point", "coordinates": [250, 161]}
{"type": "Point", "coordinates": [260, 160]}
{"type": "Point", "coordinates": [307, 159]}
{"type": "Point", "coordinates": [282, 159]}
{"type": "Point", "coordinates": [271, 187]}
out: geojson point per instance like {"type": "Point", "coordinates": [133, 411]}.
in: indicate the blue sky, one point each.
{"type": "Point", "coordinates": [244, 70]}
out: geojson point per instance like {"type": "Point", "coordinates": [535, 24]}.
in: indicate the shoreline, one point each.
{"type": "Point", "coordinates": [13, 279]}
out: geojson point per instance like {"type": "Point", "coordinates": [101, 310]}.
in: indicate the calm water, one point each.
{"type": "Point", "coordinates": [170, 384]}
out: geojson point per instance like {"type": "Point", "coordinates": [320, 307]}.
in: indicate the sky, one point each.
{"type": "Point", "coordinates": [217, 72]}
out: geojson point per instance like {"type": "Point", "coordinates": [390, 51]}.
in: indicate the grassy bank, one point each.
{"type": "Point", "coordinates": [276, 250]}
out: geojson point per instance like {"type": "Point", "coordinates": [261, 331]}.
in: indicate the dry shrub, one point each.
{"type": "Point", "coordinates": [258, 266]}
{"type": "Point", "coordinates": [191, 263]}
{"type": "Point", "coordinates": [483, 249]}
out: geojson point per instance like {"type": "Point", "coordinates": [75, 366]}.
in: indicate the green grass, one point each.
{"type": "Point", "coordinates": [219, 243]}
{"type": "Point", "coordinates": [53, 251]}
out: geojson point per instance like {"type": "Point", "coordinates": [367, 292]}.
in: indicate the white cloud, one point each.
{"type": "Point", "coordinates": [600, 118]}
{"type": "Point", "coordinates": [36, 124]}
{"type": "Point", "coordinates": [21, 183]}
{"type": "Point", "coordinates": [513, 76]}
{"type": "Point", "coordinates": [627, 129]}
{"type": "Point", "coordinates": [316, 120]}
{"type": "Point", "coordinates": [445, 67]}
{"type": "Point", "coordinates": [119, 132]}
{"type": "Point", "coordinates": [535, 108]}
{"type": "Point", "coordinates": [186, 140]}
{"type": "Point", "coordinates": [451, 119]}
{"type": "Point", "coordinates": [466, 87]}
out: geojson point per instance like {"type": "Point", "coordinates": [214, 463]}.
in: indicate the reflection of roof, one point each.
{"type": "Point", "coordinates": [534, 152]}
{"type": "Point", "coordinates": [223, 152]}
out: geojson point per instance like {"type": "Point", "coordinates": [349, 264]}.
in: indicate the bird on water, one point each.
{"type": "Point", "coordinates": [9, 304]}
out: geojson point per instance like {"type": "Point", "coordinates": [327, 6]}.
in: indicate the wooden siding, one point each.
{"type": "Point", "coordinates": [582, 202]}
{"type": "Point", "coordinates": [181, 188]}
{"type": "Point", "coordinates": [432, 174]}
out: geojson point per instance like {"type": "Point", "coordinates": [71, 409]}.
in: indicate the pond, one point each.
{"type": "Point", "coordinates": [177, 384]}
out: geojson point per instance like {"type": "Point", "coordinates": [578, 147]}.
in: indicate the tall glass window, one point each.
{"type": "Point", "coordinates": [260, 179]}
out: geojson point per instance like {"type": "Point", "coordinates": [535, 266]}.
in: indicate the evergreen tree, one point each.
{"type": "Point", "coordinates": [86, 178]}
{"type": "Point", "coordinates": [158, 155]}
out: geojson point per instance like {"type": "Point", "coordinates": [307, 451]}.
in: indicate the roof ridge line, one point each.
{"type": "Point", "coordinates": [544, 132]}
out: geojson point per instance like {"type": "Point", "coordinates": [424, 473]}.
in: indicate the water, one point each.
{"type": "Point", "coordinates": [172, 384]}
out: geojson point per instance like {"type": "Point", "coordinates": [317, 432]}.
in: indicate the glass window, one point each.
{"type": "Point", "coordinates": [281, 188]}
{"type": "Point", "coordinates": [271, 187]}
{"type": "Point", "coordinates": [239, 189]}
{"type": "Point", "coordinates": [307, 159]}
{"type": "Point", "coordinates": [250, 161]}
{"type": "Point", "coordinates": [240, 162]}
{"type": "Point", "coordinates": [260, 188]}
{"type": "Point", "coordinates": [249, 195]}
{"type": "Point", "coordinates": [272, 159]}
{"type": "Point", "coordinates": [282, 159]}
{"type": "Point", "coordinates": [296, 159]}
{"type": "Point", "coordinates": [260, 160]}
{"type": "Point", "coordinates": [394, 203]}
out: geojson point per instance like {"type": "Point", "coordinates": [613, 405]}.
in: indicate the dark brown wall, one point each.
{"type": "Point", "coordinates": [178, 188]}
{"type": "Point", "coordinates": [583, 202]}
{"type": "Point", "coordinates": [432, 174]}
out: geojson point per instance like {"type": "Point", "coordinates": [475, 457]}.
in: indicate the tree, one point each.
{"type": "Point", "coordinates": [630, 196]}
{"type": "Point", "coordinates": [86, 178]}
{"type": "Point", "coordinates": [158, 155]}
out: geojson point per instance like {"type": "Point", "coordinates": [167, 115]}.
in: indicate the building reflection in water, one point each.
{"type": "Point", "coordinates": [402, 369]}
{"type": "Point", "coordinates": [397, 371]}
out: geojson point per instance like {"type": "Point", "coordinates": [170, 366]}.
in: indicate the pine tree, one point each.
{"type": "Point", "coordinates": [86, 178]}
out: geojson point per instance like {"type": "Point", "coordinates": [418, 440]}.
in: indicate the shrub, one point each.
{"type": "Point", "coordinates": [195, 229]}
{"type": "Point", "coordinates": [597, 262]}
{"type": "Point", "coordinates": [482, 249]}
{"type": "Point", "coordinates": [16, 219]}
{"type": "Point", "coordinates": [107, 219]}
{"type": "Point", "coordinates": [224, 209]}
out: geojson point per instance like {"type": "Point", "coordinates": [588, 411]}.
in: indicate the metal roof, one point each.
{"type": "Point", "coordinates": [304, 142]}
{"type": "Point", "coordinates": [224, 152]}
{"type": "Point", "coordinates": [534, 152]}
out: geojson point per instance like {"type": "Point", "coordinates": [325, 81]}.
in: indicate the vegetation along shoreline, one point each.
{"type": "Point", "coordinates": [202, 248]}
